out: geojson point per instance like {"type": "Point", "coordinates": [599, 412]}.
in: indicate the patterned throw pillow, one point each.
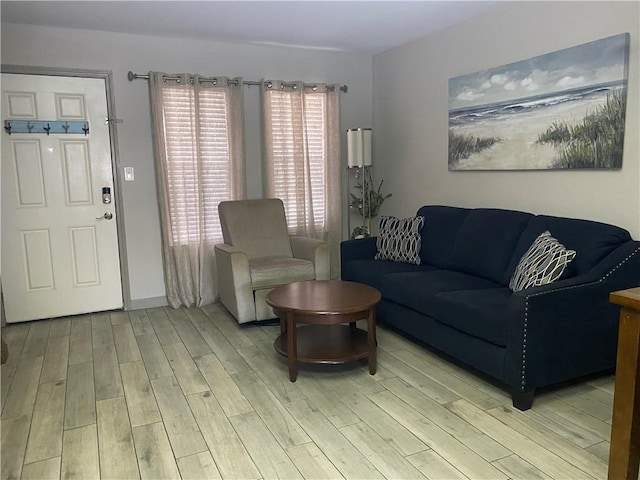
{"type": "Point", "coordinates": [543, 263]}
{"type": "Point", "coordinates": [399, 239]}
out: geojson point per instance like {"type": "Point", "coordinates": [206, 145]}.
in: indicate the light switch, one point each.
{"type": "Point", "coordinates": [128, 174]}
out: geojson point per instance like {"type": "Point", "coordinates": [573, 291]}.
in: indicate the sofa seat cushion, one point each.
{"type": "Point", "coordinates": [371, 272]}
{"type": "Point", "coordinates": [416, 290]}
{"type": "Point", "coordinates": [482, 313]}
{"type": "Point", "coordinates": [272, 271]}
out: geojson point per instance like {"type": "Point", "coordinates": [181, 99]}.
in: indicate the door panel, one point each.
{"type": "Point", "coordinates": [59, 251]}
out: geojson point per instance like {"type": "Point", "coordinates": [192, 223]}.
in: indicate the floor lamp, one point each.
{"type": "Point", "coordinates": [359, 157]}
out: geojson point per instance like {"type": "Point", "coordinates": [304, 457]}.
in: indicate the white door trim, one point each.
{"type": "Point", "coordinates": [107, 76]}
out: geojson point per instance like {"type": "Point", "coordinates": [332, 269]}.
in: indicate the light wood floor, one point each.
{"type": "Point", "coordinates": [163, 393]}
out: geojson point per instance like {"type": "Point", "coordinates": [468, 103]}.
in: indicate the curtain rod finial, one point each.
{"type": "Point", "coordinates": [344, 88]}
{"type": "Point", "coordinates": [131, 76]}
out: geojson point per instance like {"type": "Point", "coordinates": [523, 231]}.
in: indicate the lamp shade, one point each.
{"type": "Point", "coordinates": [358, 147]}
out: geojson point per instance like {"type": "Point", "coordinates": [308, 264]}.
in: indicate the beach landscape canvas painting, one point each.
{"type": "Point", "coordinates": [565, 109]}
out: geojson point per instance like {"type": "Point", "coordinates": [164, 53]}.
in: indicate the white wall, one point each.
{"type": "Point", "coordinates": [64, 48]}
{"type": "Point", "coordinates": [411, 114]}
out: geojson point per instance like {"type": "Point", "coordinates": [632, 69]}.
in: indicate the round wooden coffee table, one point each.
{"type": "Point", "coordinates": [324, 307]}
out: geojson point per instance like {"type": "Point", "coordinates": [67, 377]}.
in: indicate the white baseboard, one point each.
{"type": "Point", "coordinates": [151, 302]}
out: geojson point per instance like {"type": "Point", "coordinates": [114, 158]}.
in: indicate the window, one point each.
{"type": "Point", "coordinates": [198, 160]}
{"type": "Point", "coordinates": [298, 159]}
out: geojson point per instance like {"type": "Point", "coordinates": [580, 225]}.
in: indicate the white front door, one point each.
{"type": "Point", "coordinates": [59, 239]}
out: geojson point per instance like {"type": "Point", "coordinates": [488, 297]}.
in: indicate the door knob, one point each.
{"type": "Point", "coordinates": [106, 216]}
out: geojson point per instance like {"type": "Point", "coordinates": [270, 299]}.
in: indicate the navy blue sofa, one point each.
{"type": "Point", "coordinates": [458, 300]}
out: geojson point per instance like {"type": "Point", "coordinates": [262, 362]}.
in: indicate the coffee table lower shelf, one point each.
{"type": "Point", "coordinates": [328, 344]}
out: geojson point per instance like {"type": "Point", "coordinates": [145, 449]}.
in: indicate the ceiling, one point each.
{"type": "Point", "coordinates": [367, 27]}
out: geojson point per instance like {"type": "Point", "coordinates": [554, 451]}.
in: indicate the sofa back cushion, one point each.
{"type": "Point", "coordinates": [591, 240]}
{"type": "Point", "coordinates": [486, 240]}
{"type": "Point", "coordinates": [441, 227]}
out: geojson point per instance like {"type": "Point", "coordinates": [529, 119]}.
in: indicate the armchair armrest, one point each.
{"type": "Point", "coordinates": [316, 251]}
{"type": "Point", "coordinates": [234, 282]}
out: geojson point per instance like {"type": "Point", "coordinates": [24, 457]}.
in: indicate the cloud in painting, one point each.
{"type": "Point", "coordinates": [566, 69]}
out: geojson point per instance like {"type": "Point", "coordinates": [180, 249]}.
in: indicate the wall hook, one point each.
{"type": "Point", "coordinates": [47, 129]}
{"type": "Point", "coordinates": [7, 126]}
{"type": "Point", "coordinates": [85, 129]}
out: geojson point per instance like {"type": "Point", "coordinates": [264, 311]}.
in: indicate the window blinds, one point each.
{"type": "Point", "coordinates": [198, 165]}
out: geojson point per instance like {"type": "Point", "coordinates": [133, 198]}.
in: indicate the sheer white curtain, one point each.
{"type": "Point", "coordinates": [198, 130]}
{"type": "Point", "coordinates": [301, 131]}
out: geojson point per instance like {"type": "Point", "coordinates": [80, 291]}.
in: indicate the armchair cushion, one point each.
{"type": "Point", "coordinates": [274, 271]}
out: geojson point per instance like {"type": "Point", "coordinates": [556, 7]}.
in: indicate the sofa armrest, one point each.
{"type": "Point", "coordinates": [358, 249]}
{"type": "Point", "coordinates": [234, 282]}
{"type": "Point", "coordinates": [316, 251]}
{"type": "Point", "coordinates": [569, 328]}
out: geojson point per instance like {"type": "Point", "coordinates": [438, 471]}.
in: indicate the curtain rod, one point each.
{"type": "Point", "coordinates": [136, 76]}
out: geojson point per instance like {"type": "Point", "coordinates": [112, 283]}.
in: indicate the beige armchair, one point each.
{"type": "Point", "coordinates": [258, 254]}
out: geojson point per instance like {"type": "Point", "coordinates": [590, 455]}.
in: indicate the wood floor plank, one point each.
{"type": "Point", "coordinates": [430, 368]}
{"type": "Point", "coordinates": [228, 326]}
{"type": "Point", "coordinates": [346, 458]}
{"type": "Point", "coordinates": [6, 377]}
{"type": "Point", "coordinates": [80, 405]}
{"type": "Point", "coordinates": [548, 462]}
{"type": "Point", "coordinates": [185, 369]}
{"type": "Point", "coordinates": [271, 460]}
{"type": "Point", "coordinates": [56, 358]}
{"type": "Point", "coordinates": [80, 459]}
{"type": "Point", "coordinates": [183, 431]}
{"type": "Point", "coordinates": [141, 402]}
{"type": "Point", "coordinates": [42, 470]}
{"type": "Point", "coordinates": [140, 322]}
{"type": "Point", "coordinates": [153, 356]}
{"type": "Point", "coordinates": [45, 438]}
{"type": "Point", "coordinates": [229, 357]}
{"type": "Point", "coordinates": [199, 467]}
{"type": "Point", "coordinates": [162, 326]}
{"type": "Point", "coordinates": [475, 439]}
{"type": "Point", "coordinates": [275, 376]}
{"type": "Point", "coordinates": [24, 388]}
{"type": "Point", "coordinates": [227, 450]}
{"type": "Point", "coordinates": [448, 447]}
{"type": "Point", "coordinates": [119, 317]}
{"type": "Point", "coordinates": [36, 342]}
{"type": "Point", "coordinates": [188, 333]}
{"type": "Point", "coordinates": [374, 417]}
{"type": "Point", "coordinates": [417, 379]}
{"type": "Point", "coordinates": [80, 342]}
{"type": "Point", "coordinates": [115, 440]}
{"type": "Point", "coordinates": [327, 401]}
{"type": "Point", "coordinates": [312, 463]}
{"type": "Point", "coordinates": [15, 337]}
{"type": "Point", "coordinates": [279, 421]}
{"type": "Point", "coordinates": [60, 327]}
{"type": "Point", "coordinates": [101, 332]}
{"type": "Point", "coordinates": [108, 382]}
{"type": "Point", "coordinates": [379, 452]}
{"type": "Point", "coordinates": [155, 458]}
{"type": "Point", "coordinates": [540, 434]}
{"type": "Point", "coordinates": [229, 396]}
{"type": "Point", "coordinates": [434, 467]}
{"type": "Point", "coordinates": [15, 432]}
{"type": "Point", "coordinates": [126, 345]}
{"type": "Point", "coordinates": [517, 468]}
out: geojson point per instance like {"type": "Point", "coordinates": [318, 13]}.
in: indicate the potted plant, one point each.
{"type": "Point", "coordinates": [367, 202]}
